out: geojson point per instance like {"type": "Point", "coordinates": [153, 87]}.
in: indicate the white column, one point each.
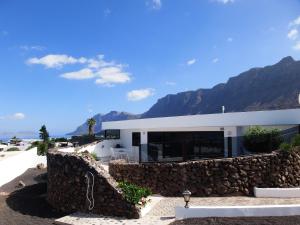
{"type": "Point", "coordinates": [231, 132]}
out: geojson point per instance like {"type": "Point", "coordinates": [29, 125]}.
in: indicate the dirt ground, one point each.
{"type": "Point", "coordinates": [27, 205]}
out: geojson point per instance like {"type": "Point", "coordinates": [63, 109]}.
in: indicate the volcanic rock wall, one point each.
{"type": "Point", "coordinates": [218, 177]}
{"type": "Point", "coordinates": [67, 187]}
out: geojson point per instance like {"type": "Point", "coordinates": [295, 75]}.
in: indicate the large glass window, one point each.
{"type": "Point", "coordinates": [178, 146]}
{"type": "Point", "coordinates": [112, 134]}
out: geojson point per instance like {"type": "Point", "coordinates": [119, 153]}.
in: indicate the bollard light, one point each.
{"type": "Point", "coordinates": [186, 196]}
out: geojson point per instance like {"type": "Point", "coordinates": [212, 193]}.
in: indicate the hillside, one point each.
{"type": "Point", "coordinates": [271, 87]}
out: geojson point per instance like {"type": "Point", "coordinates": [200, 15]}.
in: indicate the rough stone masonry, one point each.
{"type": "Point", "coordinates": [67, 186]}
{"type": "Point", "coordinates": [215, 177]}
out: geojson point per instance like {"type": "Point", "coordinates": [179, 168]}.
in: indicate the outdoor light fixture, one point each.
{"type": "Point", "coordinates": [186, 196]}
{"type": "Point", "coordinates": [299, 98]}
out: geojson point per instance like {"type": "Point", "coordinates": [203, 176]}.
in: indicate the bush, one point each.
{"type": "Point", "coordinates": [258, 139]}
{"type": "Point", "coordinates": [296, 140]}
{"type": "Point", "coordinates": [94, 155]}
{"type": "Point", "coordinates": [133, 193]}
{"type": "Point", "coordinates": [13, 149]}
{"type": "Point", "coordinates": [84, 139]}
{"type": "Point", "coordinates": [42, 148]}
{"type": "Point", "coordinates": [61, 139]}
{"type": "Point", "coordinates": [286, 147]}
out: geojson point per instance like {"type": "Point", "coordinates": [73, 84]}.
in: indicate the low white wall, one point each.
{"type": "Point", "coordinates": [237, 211]}
{"type": "Point", "coordinates": [14, 166]}
{"type": "Point", "coordinates": [277, 192]}
{"type": "Point", "coordinates": [102, 149]}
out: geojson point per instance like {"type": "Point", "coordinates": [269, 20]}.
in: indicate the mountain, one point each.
{"type": "Point", "coordinates": [271, 87]}
{"type": "Point", "coordinates": [111, 116]}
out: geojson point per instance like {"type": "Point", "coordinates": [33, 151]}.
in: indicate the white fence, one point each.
{"type": "Point", "coordinates": [277, 192]}
{"type": "Point", "coordinates": [14, 166]}
{"type": "Point", "coordinates": [236, 211]}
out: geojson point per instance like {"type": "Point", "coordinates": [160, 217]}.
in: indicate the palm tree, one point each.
{"type": "Point", "coordinates": [91, 123]}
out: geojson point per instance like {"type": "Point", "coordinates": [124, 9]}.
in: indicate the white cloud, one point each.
{"type": "Point", "coordinates": [55, 61]}
{"type": "Point", "coordinates": [293, 34]}
{"type": "Point", "coordinates": [230, 39]}
{"type": "Point", "coordinates": [140, 94]}
{"type": "Point", "coordinates": [32, 47]}
{"type": "Point", "coordinates": [107, 73]}
{"type": "Point", "coordinates": [154, 4]}
{"type": "Point", "coordinates": [16, 116]}
{"type": "Point", "coordinates": [225, 1]}
{"type": "Point", "coordinates": [83, 74]}
{"type": "Point", "coordinates": [215, 60]}
{"type": "Point", "coordinates": [170, 83]}
{"type": "Point", "coordinates": [109, 76]}
{"type": "Point", "coordinates": [191, 62]}
{"type": "Point", "coordinates": [297, 46]}
{"type": "Point", "coordinates": [99, 62]}
{"type": "Point", "coordinates": [295, 22]}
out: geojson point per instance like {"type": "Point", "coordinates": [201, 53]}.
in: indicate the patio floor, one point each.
{"type": "Point", "coordinates": [163, 212]}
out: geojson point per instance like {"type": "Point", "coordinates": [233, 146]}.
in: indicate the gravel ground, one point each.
{"type": "Point", "coordinates": [27, 205]}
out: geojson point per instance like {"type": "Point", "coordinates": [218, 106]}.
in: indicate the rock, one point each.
{"type": "Point", "coordinates": [21, 184]}
{"type": "Point", "coordinates": [40, 166]}
{"type": "Point", "coordinates": [208, 191]}
{"type": "Point", "coordinates": [221, 189]}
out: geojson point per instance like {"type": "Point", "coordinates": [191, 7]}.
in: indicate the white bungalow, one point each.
{"type": "Point", "coordinates": [193, 136]}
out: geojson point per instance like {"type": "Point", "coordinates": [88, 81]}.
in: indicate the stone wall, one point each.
{"type": "Point", "coordinates": [67, 187]}
{"type": "Point", "coordinates": [218, 177]}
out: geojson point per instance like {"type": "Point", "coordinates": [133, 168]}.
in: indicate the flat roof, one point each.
{"type": "Point", "coordinates": [270, 117]}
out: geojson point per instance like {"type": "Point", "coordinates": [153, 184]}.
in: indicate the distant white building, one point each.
{"type": "Point", "coordinates": [194, 136]}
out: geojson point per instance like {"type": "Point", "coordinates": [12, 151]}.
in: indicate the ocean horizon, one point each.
{"type": "Point", "coordinates": [6, 138]}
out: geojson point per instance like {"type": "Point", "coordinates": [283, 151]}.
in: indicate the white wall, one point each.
{"type": "Point", "coordinates": [236, 211]}
{"type": "Point", "coordinates": [277, 192]}
{"type": "Point", "coordinates": [102, 149]}
{"type": "Point", "coordinates": [14, 166]}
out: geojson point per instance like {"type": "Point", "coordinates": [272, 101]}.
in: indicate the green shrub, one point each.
{"type": "Point", "coordinates": [61, 139]}
{"type": "Point", "coordinates": [42, 148]}
{"type": "Point", "coordinates": [94, 155]}
{"type": "Point", "coordinates": [296, 141]}
{"type": "Point", "coordinates": [13, 149]}
{"type": "Point", "coordinates": [258, 139]}
{"type": "Point", "coordinates": [134, 193]}
{"type": "Point", "coordinates": [286, 147]}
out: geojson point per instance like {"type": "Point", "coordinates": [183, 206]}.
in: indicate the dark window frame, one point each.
{"type": "Point", "coordinates": [112, 135]}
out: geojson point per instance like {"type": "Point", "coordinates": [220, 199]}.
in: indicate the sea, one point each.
{"type": "Point", "coordinates": [6, 138]}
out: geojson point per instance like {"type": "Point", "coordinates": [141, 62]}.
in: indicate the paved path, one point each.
{"type": "Point", "coordinates": [163, 212]}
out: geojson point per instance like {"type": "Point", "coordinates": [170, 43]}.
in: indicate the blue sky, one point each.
{"type": "Point", "coordinates": [63, 61]}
